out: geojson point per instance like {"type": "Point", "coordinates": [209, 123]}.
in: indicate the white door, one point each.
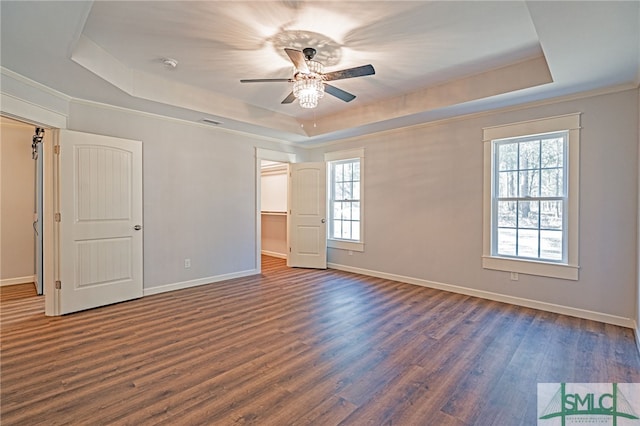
{"type": "Point", "coordinates": [100, 233]}
{"type": "Point", "coordinates": [307, 219]}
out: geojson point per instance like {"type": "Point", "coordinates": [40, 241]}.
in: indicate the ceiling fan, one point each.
{"type": "Point", "coordinates": [309, 79]}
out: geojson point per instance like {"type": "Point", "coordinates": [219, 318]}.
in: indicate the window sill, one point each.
{"type": "Point", "coordinates": [346, 245]}
{"type": "Point", "coordinates": [529, 267]}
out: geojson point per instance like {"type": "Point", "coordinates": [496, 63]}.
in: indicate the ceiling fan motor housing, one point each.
{"type": "Point", "coordinates": [309, 53]}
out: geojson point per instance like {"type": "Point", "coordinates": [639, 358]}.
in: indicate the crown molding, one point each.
{"type": "Point", "coordinates": [34, 84]}
{"type": "Point", "coordinates": [501, 110]}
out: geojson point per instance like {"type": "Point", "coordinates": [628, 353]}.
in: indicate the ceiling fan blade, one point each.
{"type": "Point", "coordinates": [338, 93]}
{"type": "Point", "coordinates": [267, 80]}
{"type": "Point", "coordinates": [290, 98]}
{"type": "Point", "coordinates": [350, 73]}
{"type": "Point", "coordinates": [298, 59]}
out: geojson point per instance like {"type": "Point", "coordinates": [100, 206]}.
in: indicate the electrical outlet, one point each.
{"type": "Point", "coordinates": [350, 252]}
{"type": "Point", "coordinates": [187, 263]}
{"type": "Point", "coordinates": [514, 276]}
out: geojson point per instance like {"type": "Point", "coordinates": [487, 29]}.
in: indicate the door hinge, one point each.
{"type": "Point", "coordinates": [289, 249]}
{"type": "Point", "coordinates": [56, 149]}
{"type": "Point", "coordinates": [58, 285]}
{"type": "Point", "coordinates": [57, 217]}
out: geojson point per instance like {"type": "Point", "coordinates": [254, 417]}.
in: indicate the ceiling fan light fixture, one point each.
{"type": "Point", "coordinates": [308, 92]}
{"type": "Point", "coordinates": [309, 88]}
{"type": "Point", "coordinates": [309, 79]}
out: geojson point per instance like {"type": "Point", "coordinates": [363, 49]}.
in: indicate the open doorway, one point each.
{"type": "Point", "coordinates": [274, 203]}
{"type": "Point", "coordinates": [274, 208]}
{"type": "Point", "coordinates": [22, 203]}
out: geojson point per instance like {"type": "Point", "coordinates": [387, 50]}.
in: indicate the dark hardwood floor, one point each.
{"type": "Point", "coordinates": [297, 347]}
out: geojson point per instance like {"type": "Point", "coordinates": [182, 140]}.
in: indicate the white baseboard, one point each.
{"type": "Point", "coordinates": [200, 281]}
{"type": "Point", "coordinates": [274, 254]}
{"type": "Point", "coordinates": [18, 280]}
{"type": "Point", "coordinates": [528, 303]}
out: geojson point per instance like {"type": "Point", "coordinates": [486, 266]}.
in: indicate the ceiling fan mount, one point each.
{"type": "Point", "coordinates": [309, 53]}
{"type": "Point", "coordinates": [310, 80]}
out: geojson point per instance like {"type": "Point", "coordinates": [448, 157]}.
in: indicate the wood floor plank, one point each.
{"type": "Point", "coordinates": [17, 291]}
{"type": "Point", "coordinates": [296, 347]}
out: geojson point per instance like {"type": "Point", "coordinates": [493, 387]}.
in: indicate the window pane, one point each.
{"type": "Point", "coordinates": [527, 243]}
{"type": "Point", "coordinates": [337, 229]}
{"type": "Point", "coordinates": [348, 172]}
{"type": "Point", "coordinates": [346, 230]}
{"type": "Point", "coordinates": [552, 152]}
{"type": "Point", "coordinates": [508, 185]}
{"type": "Point", "coordinates": [346, 211]}
{"type": "Point", "coordinates": [356, 170]}
{"type": "Point", "coordinates": [507, 213]}
{"type": "Point", "coordinates": [356, 190]}
{"type": "Point", "coordinates": [529, 184]}
{"type": "Point", "coordinates": [507, 242]}
{"type": "Point", "coordinates": [551, 215]}
{"type": "Point", "coordinates": [339, 173]}
{"type": "Point", "coordinates": [529, 155]}
{"type": "Point", "coordinates": [355, 211]}
{"type": "Point", "coordinates": [508, 156]}
{"type": "Point", "coordinates": [348, 190]}
{"type": "Point", "coordinates": [338, 193]}
{"type": "Point", "coordinates": [552, 184]}
{"type": "Point", "coordinates": [355, 230]}
{"type": "Point", "coordinates": [551, 245]}
{"type": "Point", "coordinates": [528, 214]}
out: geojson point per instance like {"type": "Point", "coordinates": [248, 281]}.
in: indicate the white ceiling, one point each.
{"type": "Point", "coordinates": [433, 59]}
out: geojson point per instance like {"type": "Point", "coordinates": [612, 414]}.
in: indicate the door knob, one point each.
{"type": "Point", "coordinates": [137, 227]}
{"type": "Point", "coordinates": [323, 221]}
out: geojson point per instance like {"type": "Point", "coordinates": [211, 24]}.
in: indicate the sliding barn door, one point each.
{"type": "Point", "coordinates": [100, 232]}
{"type": "Point", "coordinates": [307, 224]}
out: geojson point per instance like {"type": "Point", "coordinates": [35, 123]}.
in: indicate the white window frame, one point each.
{"type": "Point", "coordinates": [340, 156]}
{"type": "Point", "coordinates": [569, 268]}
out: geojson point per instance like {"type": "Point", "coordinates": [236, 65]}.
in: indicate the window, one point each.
{"type": "Point", "coordinates": [531, 197]}
{"type": "Point", "coordinates": [345, 199]}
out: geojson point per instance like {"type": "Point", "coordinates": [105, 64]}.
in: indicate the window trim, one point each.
{"type": "Point", "coordinates": [339, 156]}
{"type": "Point", "coordinates": [571, 124]}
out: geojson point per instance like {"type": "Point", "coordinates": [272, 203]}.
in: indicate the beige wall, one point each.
{"type": "Point", "coordinates": [274, 234]}
{"type": "Point", "coordinates": [17, 170]}
{"type": "Point", "coordinates": [199, 193]}
{"type": "Point", "coordinates": [424, 200]}
{"type": "Point", "coordinates": [423, 217]}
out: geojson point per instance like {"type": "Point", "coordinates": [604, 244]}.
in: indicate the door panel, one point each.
{"type": "Point", "coordinates": [100, 184]}
{"type": "Point", "coordinates": [307, 224]}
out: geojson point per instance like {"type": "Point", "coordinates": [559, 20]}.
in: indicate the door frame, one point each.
{"type": "Point", "coordinates": [270, 155]}
{"type": "Point", "coordinates": [38, 225]}
{"type": "Point", "coordinates": [32, 114]}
